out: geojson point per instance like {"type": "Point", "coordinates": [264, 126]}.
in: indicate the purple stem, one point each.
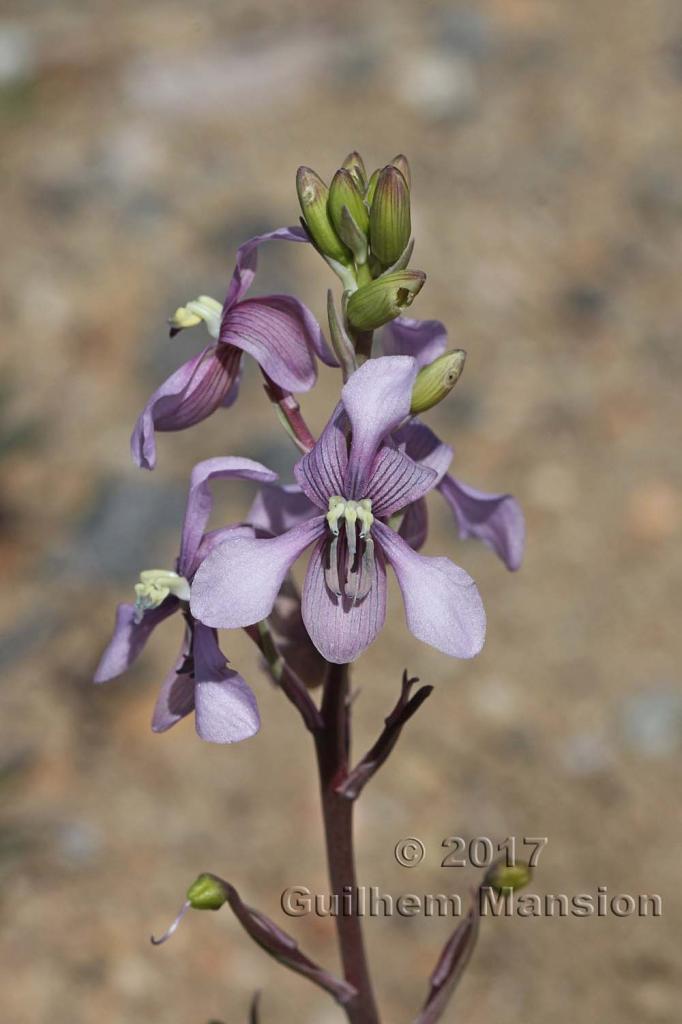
{"type": "Point", "coordinates": [332, 744]}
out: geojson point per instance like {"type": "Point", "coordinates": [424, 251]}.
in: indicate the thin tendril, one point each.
{"type": "Point", "coordinates": [173, 928]}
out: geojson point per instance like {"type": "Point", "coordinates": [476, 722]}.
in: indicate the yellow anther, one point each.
{"type": "Point", "coordinates": [155, 586]}
{"type": "Point", "coordinates": [337, 507]}
{"type": "Point", "coordinates": [203, 309]}
{"type": "Point", "coordinates": [365, 516]}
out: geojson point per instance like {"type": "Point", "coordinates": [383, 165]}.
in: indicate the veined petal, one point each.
{"type": "Point", "coordinates": [496, 519]}
{"type": "Point", "coordinates": [129, 638]}
{"type": "Point", "coordinates": [276, 509]}
{"type": "Point", "coordinates": [238, 583]}
{"type": "Point", "coordinates": [192, 393]}
{"type": "Point", "coordinates": [225, 706]}
{"type": "Point", "coordinates": [176, 696]}
{"type": "Point", "coordinates": [281, 335]}
{"type": "Point", "coordinates": [396, 481]}
{"type": "Point", "coordinates": [247, 260]}
{"type": "Point", "coordinates": [340, 629]}
{"type": "Point", "coordinates": [200, 500]}
{"type": "Point", "coordinates": [377, 398]}
{"type": "Point", "coordinates": [415, 524]}
{"type": "Point", "coordinates": [322, 472]}
{"type": "Point", "coordinates": [426, 340]}
{"type": "Point", "coordinates": [442, 604]}
{"type": "Point", "coordinates": [422, 445]}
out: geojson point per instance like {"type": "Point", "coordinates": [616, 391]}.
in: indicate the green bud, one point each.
{"type": "Point", "coordinates": [313, 195]}
{"type": "Point", "coordinates": [435, 381]}
{"type": "Point", "coordinates": [207, 893]}
{"type": "Point", "coordinates": [389, 219]}
{"type": "Point", "coordinates": [384, 299]}
{"type": "Point", "coordinates": [343, 192]}
{"type": "Point", "coordinates": [504, 877]}
{"type": "Point", "coordinates": [401, 163]}
{"type": "Point", "coordinates": [355, 164]}
{"type": "Point", "coordinates": [372, 186]}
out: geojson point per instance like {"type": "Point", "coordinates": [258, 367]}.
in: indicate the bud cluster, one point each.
{"type": "Point", "coordinates": [361, 225]}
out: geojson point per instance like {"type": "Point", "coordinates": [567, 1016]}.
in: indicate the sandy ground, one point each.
{"type": "Point", "coordinates": [141, 144]}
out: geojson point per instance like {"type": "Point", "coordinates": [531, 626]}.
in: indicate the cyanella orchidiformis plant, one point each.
{"type": "Point", "coordinates": [357, 507]}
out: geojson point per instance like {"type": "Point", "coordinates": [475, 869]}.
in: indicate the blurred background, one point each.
{"type": "Point", "coordinates": [141, 142]}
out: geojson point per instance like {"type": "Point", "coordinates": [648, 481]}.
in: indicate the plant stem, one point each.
{"type": "Point", "coordinates": [332, 743]}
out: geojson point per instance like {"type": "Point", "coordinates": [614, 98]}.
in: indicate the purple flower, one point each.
{"type": "Point", "coordinates": [200, 681]}
{"type": "Point", "coordinates": [495, 519]}
{"type": "Point", "coordinates": [279, 332]}
{"type": "Point", "coordinates": [356, 488]}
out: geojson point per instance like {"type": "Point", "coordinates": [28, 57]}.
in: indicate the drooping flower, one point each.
{"type": "Point", "coordinates": [200, 680]}
{"type": "Point", "coordinates": [279, 332]}
{"type": "Point", "coordinates": [357, 480]}
{"type": "Point", "coordinates": [495, 519]}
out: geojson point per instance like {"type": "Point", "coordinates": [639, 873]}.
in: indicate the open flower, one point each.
{"type": "Point", "coordinates": [356, 485]}
{"type": "Point", "coordinates": [495, 519]}
{"type": "Point", "coordinates": [279, 332]}
{"type": "Point", "coordinates": [200, 681]}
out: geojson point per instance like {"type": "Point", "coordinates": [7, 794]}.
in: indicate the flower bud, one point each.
{"type": "Point", "coordinates": [401, 163]}
{"type": "Point", "coordinates": [384, 299]}
{"type": "Point", "coordinates": [504, 877]}
{"type": "Point", "coordinates": [313, 195]}
{"type": "Point", "coordinates": [343, 191]}
{"type": "Point", "coordinates": [435, 381]}
{"type": "Point", "coordinates": [207, 893]}
{"type": "Point", "coordinates": [389, 222]}
{"type": "Point", "coordinates": [355, 164]}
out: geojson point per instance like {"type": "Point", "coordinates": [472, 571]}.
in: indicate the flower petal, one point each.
{"type": "Point", "coordinates": [129, 638]}
{"type": "Point", "coordinates": [176, 696]}
{"type": "Point", "coordinates": [213, 538]}
{"type": "Point", "coordinates": [247, 260]}
{"type": "Point", "coordinates": [377, 398]}
{"type": "Point", "coordinates": [422, 445]}
{"type": "Point", "coordinates": [415, 524]}
{"type": "Point", "coordinates": [496, 519]}
{"type": "Point", "coordinates": [226, 709]}
{"type": "Point", "coordinates": [442, 604]}
{"type": "Point", "coordinates": [339, 629]}
{"type": "Point", "coordinates": [200, 500]}
{"type": "Point", "coordinates": [281, 335]}
{"type": "Point", "coordinates": [396, 481]}
{"type": "Point", "coordinates": [192, 393]}
{"type": "Point", "coordinates": [276, 509]}
{"type": "Point", "coordinates": [321, 473]}
{"type": "Point", "coordinates": [239, 581]}
{"type": "Point", "coordinates": [426, 340]}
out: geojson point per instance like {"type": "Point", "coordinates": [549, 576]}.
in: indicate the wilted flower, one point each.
{"type": "Point", "coordinates": [357, 487]}
{"type": "Point", "coordinates": [279, 332]}
{"type": "Point", "coordinates": [200, 681]}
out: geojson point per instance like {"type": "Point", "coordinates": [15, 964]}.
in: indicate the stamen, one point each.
{"type": "Point", "coordinates": [204, 308]}
{"type": "Point", "coordinates": [351, 519]}
{"type": "Point", "coordinates": [354, 578]}
{"type": "Point", "coordinates": [173, 928]}
{"type": "Point", "coordinates": [154, 587]}
{"type": "Point", "coordinates": [365, 516]}
{"type": "Point", "coordinates": [337, 506]}
{"type": "Point", "coordinates": [331, 572]}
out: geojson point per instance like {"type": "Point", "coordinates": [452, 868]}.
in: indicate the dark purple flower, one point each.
{"type": "Point", "coordinates": [279, 332]}
{"type": "Point", "coordinates": [495, 519]}
{"type": "Point", "coordinates": [200, 681]}
{"type": "Point", "coordinates": [356, 487]}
